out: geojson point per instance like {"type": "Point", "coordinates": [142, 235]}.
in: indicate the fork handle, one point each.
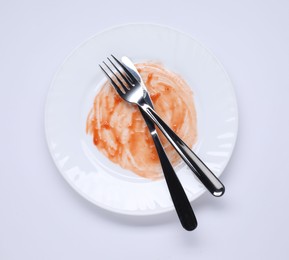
{"type": "Point", "coordinates": [178, 195]}
{"type": "Point", "coordinates": [204, 174]}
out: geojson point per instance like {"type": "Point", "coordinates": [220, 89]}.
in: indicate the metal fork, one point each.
{"type": "Point", "coordinates": [178, 195]}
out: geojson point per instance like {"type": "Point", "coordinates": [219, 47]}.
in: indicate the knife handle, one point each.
{"type": "Point", "coordinates": [203, 173]}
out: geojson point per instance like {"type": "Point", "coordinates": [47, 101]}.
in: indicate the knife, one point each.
{"type": "Point", "coordinates": [203, 173]}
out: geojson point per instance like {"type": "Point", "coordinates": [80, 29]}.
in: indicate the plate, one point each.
{"type": "Point", "coordinates": [71, 96]}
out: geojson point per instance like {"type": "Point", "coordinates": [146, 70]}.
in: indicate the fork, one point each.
{"type": "Point", "coordinates": [178, 195]}
{"type": "Point", "coordinates": [137, 93]}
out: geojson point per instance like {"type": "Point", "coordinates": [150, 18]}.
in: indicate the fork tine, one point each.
{"type": "Point", "coordinates": [130, 76]}
{"type": "Point", "coordinates": [115, 86]}
{"type": "Point", "coordinates": [123, 76]}
{"type": "Point", "coordinates": [118, 79]}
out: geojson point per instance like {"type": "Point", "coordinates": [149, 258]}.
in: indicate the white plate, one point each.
{"type": "Point", "coordinates": [71, 97]}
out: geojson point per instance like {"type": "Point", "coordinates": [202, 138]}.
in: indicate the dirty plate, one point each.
{"type": "Point", "coordinates": [71, 96]}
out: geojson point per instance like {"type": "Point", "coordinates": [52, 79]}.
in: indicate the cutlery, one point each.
{"type": "Point", "coordinates": [203, 173]}
{"type": "Point", "coordinates": [178, 195]}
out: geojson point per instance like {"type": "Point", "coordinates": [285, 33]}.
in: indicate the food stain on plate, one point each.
{"type": "Point", "coordinates": [120, 132]}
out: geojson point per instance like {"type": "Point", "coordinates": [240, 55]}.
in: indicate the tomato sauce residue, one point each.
{"type": "Point", "coordinates": [120, 132]}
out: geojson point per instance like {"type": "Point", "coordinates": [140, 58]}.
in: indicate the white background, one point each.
{"type": "Point", "coordinates": [41, 217]}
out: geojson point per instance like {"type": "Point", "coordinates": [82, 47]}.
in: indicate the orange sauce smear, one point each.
{"type": "Point", "coordinates": [120, 132]}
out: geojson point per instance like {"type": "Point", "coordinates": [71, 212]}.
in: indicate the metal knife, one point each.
{"type": "Point", "coordinates": [204, 174]}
